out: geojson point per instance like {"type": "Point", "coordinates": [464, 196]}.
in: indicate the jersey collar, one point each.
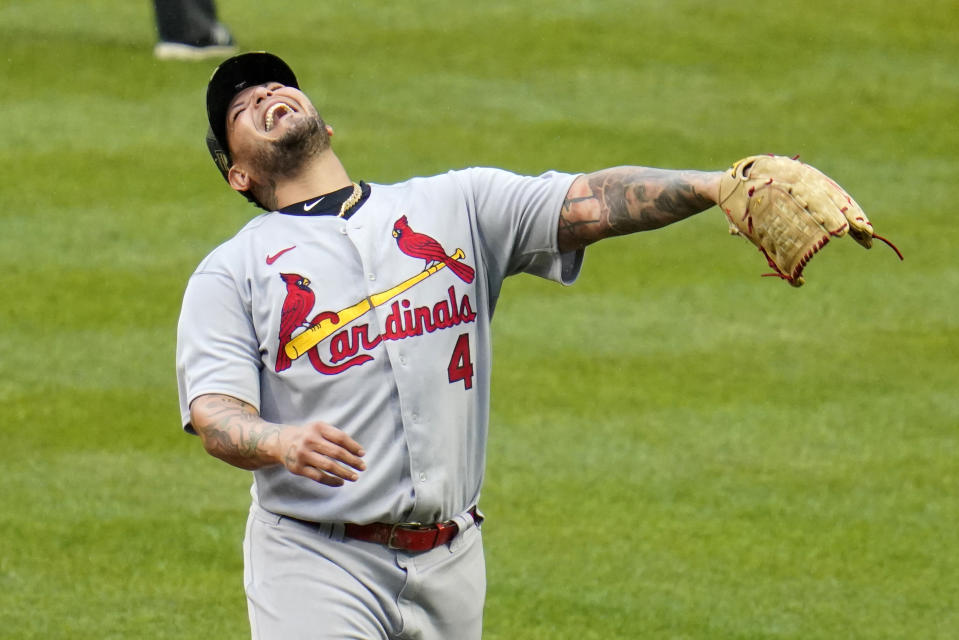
{"type": "Point", "coordinates": [328, 204]}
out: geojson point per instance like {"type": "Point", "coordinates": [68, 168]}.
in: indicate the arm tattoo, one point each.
{"type": "Point", "coordinates": [233, 431]}
{"type": "Point", "coordinates": [625, 200]}
{"type": "Point", "coordinates": [568, 225]}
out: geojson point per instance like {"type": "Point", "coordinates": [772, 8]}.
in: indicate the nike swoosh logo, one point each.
{"type": "Point", "coordinates": [307, 207]}
{"type": "Point", "coordinates": [273, 258]}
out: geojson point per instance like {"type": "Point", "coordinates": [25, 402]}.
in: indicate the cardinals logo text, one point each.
{"type": "Point", "coordinates": [349, 346]}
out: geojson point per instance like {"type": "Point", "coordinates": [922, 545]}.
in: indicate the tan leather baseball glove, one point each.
{"type": "Point", "coordinates": [790, 210]}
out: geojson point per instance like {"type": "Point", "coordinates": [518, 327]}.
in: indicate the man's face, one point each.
{"type": "Point", "coordinates": [273, 129]}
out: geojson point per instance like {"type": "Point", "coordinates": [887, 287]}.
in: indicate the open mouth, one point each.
{"type": "Point", "coordinates": [275, 113]}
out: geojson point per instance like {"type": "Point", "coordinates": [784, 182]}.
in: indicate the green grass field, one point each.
{"type": "Point", "coordinates": [680, 449]}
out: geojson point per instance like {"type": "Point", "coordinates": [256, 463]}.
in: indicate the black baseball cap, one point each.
{"type": "Point", "coordinates": [231, 77]}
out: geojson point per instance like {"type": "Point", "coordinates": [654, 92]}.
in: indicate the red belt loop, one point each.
{"type": "Point", "coordinates": [407, 536]}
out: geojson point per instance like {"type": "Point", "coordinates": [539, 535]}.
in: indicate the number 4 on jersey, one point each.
{"type": "Point", "coordinates": [461, 365]}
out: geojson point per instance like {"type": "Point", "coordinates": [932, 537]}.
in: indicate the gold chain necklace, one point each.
{"type": "Point", "coordinates": [352, 200]}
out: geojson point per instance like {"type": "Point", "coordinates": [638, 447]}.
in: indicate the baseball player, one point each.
{"type": "Point", "coordinates": [339, 347]}
{"type": "Point", "coordinates": [190, 30]}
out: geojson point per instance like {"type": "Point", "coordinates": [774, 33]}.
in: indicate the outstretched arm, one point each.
{"type": "Point", "coordinates": [234, 432]}
{"type": "Point", "coordinates": [621, 200]}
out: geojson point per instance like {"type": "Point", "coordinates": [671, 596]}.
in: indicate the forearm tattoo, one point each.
{"type": "Point", "coordinates": [233, 431]}
{"type": "Point", "coordinates": [625, 200]}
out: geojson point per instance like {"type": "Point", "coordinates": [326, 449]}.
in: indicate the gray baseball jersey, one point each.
{"type": "Point", "coordinates": [379, 324]}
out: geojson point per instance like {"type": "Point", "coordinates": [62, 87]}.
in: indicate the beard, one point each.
{"type": "Point", "coordinates": [286, 156]}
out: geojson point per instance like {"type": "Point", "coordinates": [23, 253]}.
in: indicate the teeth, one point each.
{"type": "Point", "coordinates": [273, 111]}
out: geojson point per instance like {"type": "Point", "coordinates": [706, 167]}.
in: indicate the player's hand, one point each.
{"type": "Point", "coordinates": [323, 453]}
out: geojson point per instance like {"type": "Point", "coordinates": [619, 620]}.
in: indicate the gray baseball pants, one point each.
{"type": "Point", "coordinates": [306, 581]}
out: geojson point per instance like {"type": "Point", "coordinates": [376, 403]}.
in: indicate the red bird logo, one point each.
{"type": "Point", "coordinates": [297, 305]}
{"type": "Point", "coordinates": [420, 245]}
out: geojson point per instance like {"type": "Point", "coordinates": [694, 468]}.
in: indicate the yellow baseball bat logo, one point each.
{"type": "Point", "coordinates": [322, 330]}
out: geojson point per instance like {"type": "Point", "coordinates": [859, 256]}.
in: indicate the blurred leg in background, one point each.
{"type": "Point", "coordinates": [189, 30]}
